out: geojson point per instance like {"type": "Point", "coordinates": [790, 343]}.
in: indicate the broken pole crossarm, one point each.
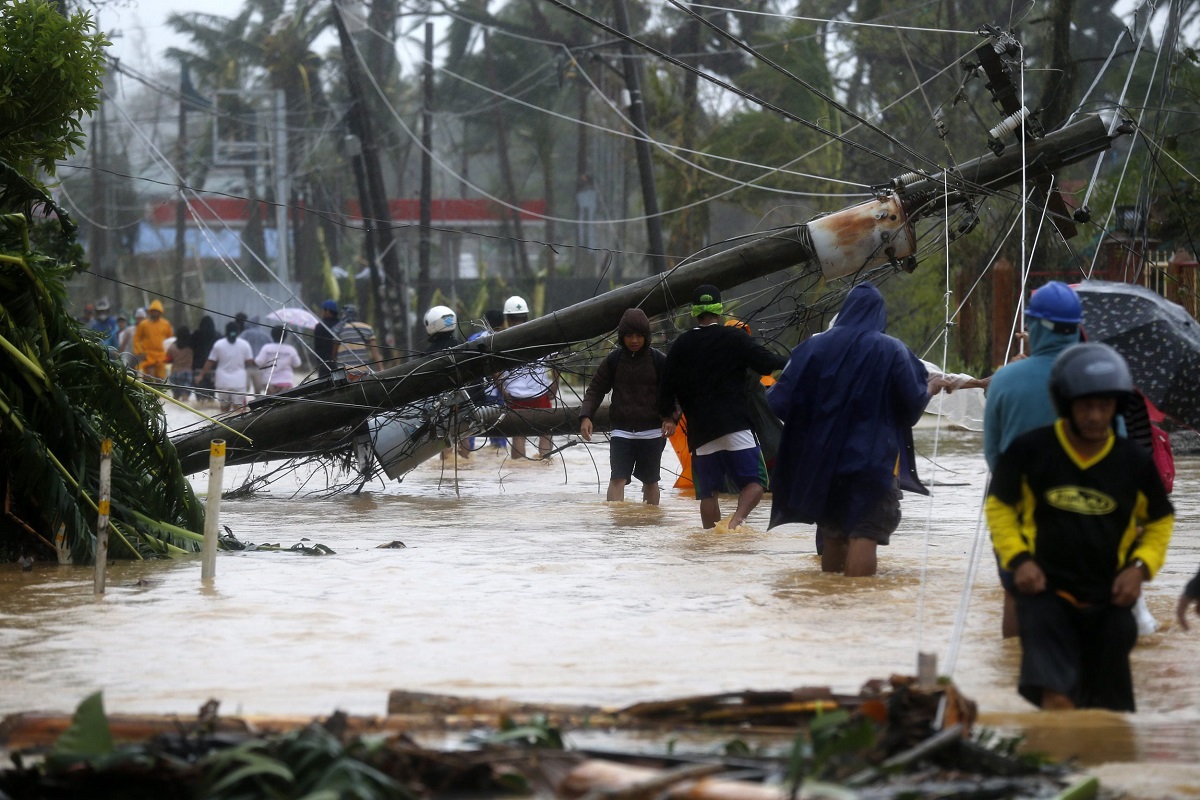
{"type": "Point", "coordinates": [272, 427]}
{"type": "Point", "coordinates": [1067, 145]}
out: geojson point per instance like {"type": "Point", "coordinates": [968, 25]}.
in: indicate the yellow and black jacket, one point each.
{"type": "Point", "coordinates": [1080, 520]}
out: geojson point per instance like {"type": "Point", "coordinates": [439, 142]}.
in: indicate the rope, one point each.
{"type": "Point", "coordinates": [937, 436]}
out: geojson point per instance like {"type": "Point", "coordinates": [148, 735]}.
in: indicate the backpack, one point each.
{"type": "Point", "coordinates": [1140, 428]}
{"type": "Point", "coordinates": [1164, 458]}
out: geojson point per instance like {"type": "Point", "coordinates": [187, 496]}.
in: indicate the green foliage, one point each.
{"type": "Point", "coordinates": [61, 394]}
{"type": "Point", "coordinates": [916, 306]}
{"type": "Point", "coordinates": [87, 737]}
{"type": "Point", "coordinates": [830, 741]}
{"type": "Point", "coordinates": [538, 733]}
{"type": "Point", "coordinates": [51, 73]}
{"type": "Point", "coordinates": [21, 194]}
{"type": "Point", "coordinates": [737, 748]}
{"type": "Point", "coordinates": [310, 763]}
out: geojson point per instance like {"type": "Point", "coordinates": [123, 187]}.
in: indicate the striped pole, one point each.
{"type": "Point", "coordinates": [102, 516]}
{"type": "Point", "coordinates": [212, 508]}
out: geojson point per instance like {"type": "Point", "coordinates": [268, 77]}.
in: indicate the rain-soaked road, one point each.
{"type": "Point", "coordinates": [519, 581]}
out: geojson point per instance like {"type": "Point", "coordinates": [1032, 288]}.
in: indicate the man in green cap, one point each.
{"type": "Point", "coordinates": [705, 373]}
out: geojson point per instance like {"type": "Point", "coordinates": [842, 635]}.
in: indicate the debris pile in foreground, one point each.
{"type": "Point", "coordinates": [894, 739]}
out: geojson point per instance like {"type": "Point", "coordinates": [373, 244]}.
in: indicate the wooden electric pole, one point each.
{"type": "Point", "coordinates": [637, 111]}
{"type": "Point", "coordinates": [424, 247]}
{"type": "Point", "coordinates": [393, 319]}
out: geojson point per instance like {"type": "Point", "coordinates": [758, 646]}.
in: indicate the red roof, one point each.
{"type": "Point", "coordinates": [445, 212]}
{"type": "Point", "coordinates": [452, 211]}
{"type": "Point", "coordinates": [211, 209]}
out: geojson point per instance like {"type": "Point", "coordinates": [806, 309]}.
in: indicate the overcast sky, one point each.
{"type": "Point", "coordinates": [139, 32]}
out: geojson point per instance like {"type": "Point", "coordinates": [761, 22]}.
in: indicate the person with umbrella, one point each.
{"type": "Point", "coordinates": [1081, 518]}
{"type": "Point", "coordinates": [1159, 339]}
{"type": "Point", "coordinates": [277, 360]}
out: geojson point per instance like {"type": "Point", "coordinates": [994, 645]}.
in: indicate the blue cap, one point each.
{"type": "Point", "coordinates": [330, 305]}
{"type": "Point", "coordinates": [1056, 302]}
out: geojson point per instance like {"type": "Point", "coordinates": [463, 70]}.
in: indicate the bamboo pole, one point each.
{"type": "Point", "coordinates": [212, 508]}
{"type": "Point", "coordinates": [102, 516]}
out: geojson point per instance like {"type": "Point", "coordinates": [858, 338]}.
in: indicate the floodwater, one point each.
{"type": "Point", "coordinates": [517, 580]}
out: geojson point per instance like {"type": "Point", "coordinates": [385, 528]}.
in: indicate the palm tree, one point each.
{"type": "Point", "coordinates": [285, 41]}
{"type": "Point", "coordinates": [268, 47]}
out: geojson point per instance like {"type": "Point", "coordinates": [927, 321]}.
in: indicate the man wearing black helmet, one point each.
{"type": "Point", "coordinates": [1082, 519]}
{"type": "Point", "coordinates": [1017, 399]}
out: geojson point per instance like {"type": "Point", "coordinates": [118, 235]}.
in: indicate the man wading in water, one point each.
{"type": "Point", "coordinates": [639, 434]}
{"type": "Point", "coordinates": [848, 399]}
{"type": "Point", "coordinates": [1081, 518]}
{"type": "Point", "coordinates": [705, 373]}
{"type": "Point", "coordinates": [1017, 398]}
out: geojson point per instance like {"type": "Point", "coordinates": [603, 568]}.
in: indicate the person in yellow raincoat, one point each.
{"type": "Point", "coordinates": [148, 341]}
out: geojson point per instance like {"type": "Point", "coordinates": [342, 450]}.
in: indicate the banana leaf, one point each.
{"type": "Point", "coordinates": [61, 393]}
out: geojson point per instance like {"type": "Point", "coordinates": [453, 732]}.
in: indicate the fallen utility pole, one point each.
{"type": "Point", "coordinates": [844, 243]}
{"type": "Point", "coordinates": [275, 427]}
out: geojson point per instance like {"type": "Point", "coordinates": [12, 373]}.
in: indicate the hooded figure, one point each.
{"type": "Point", "coordinates": [148, 341]}
{"type": "Point", "coordinates": [633, 373]}
{"type": "Point", "coordinates": [848, 399]}
{"type": "Point", "coordinates": [1018, 397]}
{"type": "Point", "coordinates": [635, 394]}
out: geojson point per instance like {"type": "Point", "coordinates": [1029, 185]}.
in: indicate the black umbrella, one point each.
{"type": "Point", "coordinates": [1159, 339]}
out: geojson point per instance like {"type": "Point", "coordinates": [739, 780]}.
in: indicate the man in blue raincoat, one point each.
{"type": "Point", "coordinates": [848, 399]}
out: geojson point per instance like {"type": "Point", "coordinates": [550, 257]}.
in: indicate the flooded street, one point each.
{"type": "Point", "coordinates": [523, 583]}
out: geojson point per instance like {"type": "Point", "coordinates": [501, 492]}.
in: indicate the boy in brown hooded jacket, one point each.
{"type": "Point", "coordinates": [639, 434]}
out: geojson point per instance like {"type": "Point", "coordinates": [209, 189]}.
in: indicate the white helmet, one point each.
{"type": "Point", "coordinates": [516, 305]}
{"type": "Point", "coordinates": [440, 319]}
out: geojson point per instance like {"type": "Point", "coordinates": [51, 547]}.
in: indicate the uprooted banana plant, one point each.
{"type": "Point", "coordinates": [61, 394]}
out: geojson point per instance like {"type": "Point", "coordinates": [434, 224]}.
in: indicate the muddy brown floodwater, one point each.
{"type": "Point", "coordinates": [518, 580]}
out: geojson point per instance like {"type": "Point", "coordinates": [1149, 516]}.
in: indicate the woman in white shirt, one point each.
{"type": "Point", "coordinates": [277, 360]}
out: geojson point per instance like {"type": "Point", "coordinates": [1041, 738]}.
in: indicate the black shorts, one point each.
{"type": "Point", "coordinates": [639, 458]}
{"type": "Point", "coordinates": [1082, 653]}
{"type": "Point", "coordinates": [878, 524]}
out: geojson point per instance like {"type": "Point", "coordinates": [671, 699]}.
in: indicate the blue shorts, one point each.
{"type": "Point", "coordinates": [639, 458]}
{"type": "Point", "coordinates": [741, 467]}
